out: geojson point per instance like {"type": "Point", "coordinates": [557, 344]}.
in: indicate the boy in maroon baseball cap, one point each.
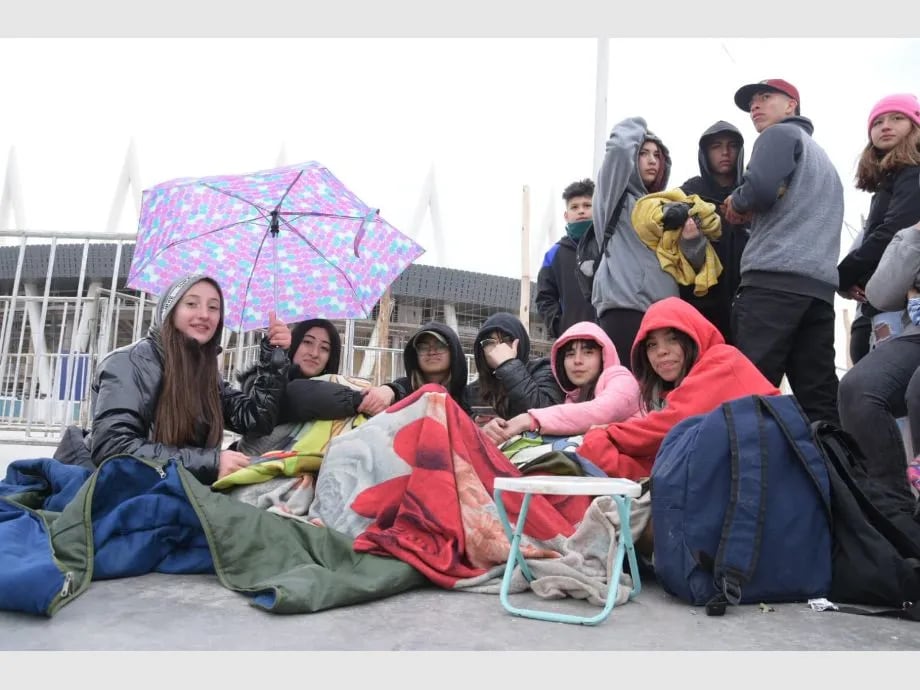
{"type": "Point", "coordinates": [782, 316]}
{"type": "Point", "coordinates": [746, 93]}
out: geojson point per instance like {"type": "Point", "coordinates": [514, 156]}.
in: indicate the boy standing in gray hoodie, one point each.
{"type": "Point", "coordinates": [783, 313]}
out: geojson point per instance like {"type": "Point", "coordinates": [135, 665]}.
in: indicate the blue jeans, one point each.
{"type": "Point", "coordinates": [881, 387]}
{"type": "Point", "coordinates": [885, 326]}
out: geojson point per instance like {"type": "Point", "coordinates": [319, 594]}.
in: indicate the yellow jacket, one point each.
{"type": "Point", "coordinates": [647, 220]}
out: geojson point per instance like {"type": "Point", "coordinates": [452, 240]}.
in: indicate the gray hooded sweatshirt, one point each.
{"type": "Point", "coordinates": [797, 199]}
{"type": "Point", "coordinates": [630, 275]}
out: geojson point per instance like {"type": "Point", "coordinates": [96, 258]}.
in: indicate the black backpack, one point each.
{"type": "Point", "coordinates": [876, 535]}
{"type": "Point", "coordinates": [588, 256]}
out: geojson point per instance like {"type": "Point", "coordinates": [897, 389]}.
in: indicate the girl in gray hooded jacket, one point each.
{"type": "Point", "coordinates": [629, 277]}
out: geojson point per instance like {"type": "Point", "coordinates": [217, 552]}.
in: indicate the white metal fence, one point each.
{"type": "Point", "coordinates": [55, 328]}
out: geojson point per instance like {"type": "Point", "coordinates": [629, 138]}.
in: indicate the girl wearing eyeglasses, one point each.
{"type": "Point", "coordinates": [433, 354]}
{"type": "Point", "coordinates": [598, 389]}
{"type": "Point", "coordinates": [509, 381]}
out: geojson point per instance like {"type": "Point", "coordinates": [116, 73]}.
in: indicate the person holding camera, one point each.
{"type": "Point", "coordinates": [721, 161]}
{"type": "Point", "coordinates": [629, 277]}
{"type": "Point", "coordinates": [783, 313]}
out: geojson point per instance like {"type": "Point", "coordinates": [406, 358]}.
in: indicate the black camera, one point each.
{"type": "Point", "coordinates": [675, 214]}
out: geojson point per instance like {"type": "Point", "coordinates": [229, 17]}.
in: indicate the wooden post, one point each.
{"type": "Point", "coordinates": [383, 336]}
{"type": "Point", "coordinates": [525, 260]}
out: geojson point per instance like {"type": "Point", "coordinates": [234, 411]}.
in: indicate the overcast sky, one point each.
{"type": "Point", "coordinates": [490, 115]}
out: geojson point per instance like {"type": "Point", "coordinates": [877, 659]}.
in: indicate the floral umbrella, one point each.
{"type": "Point", "coordinates": [293, 240]}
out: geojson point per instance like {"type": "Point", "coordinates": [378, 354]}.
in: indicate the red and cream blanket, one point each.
{"type": "Point", "coordinates": [416, 483]}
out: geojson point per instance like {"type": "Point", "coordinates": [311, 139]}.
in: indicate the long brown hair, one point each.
{"type": "Point", "coordinates": [651, 385]}
{"type": "Point", "coordinates": [875, 166]}
{"type": "Point", "coordinates": [189, 401]}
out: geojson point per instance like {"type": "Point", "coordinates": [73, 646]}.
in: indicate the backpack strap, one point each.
{"type": "Point", "coordinates": [736, 558]}
{"type": "Point", "coordinates": [612, 224]}
{"type": "Point", "coordinates": [795, 426]}
{"type": "Point", "coordinates": [910, 611]}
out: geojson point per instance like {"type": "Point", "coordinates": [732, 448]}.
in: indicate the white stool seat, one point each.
{"type": "Point", "coordinates": [622, 491]}
{"type": "Point", "coordinates": [570, 486]}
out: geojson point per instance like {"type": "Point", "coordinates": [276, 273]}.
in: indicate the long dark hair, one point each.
{"type": "Point", "coordinates": [189, 399]}
{"type": "Point", "coordinates": [586, 391]}
{"type": "Point", "coordinates": [651, 385]}
{"type": "Point", "coordinates": [875, 166]}
{"type": "Point", "coordinates": [299, 332]}
{"type": "Point", "coordinates": [491, 391]}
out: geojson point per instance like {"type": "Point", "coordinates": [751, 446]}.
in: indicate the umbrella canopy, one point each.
{"type": "Point", "coordinates": [293, 240]}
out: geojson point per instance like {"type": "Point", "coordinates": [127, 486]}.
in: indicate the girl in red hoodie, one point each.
{"type": "Point", "coordinates": [684, 368]}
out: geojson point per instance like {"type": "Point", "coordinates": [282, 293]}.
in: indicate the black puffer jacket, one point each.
{"type": "Point", "coordinates": [127, 387]}
{"type": "Point", "coordinates": [125, 396]}
{"type": "Point", "coordinates": [895, 206]}
{"type": "Point", "coordinates": [306, 399]}
{"type": "Point", "coordinates": [524, 384]}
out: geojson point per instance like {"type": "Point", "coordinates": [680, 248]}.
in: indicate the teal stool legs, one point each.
{"type": "Point", "coordinates": [625, 545]}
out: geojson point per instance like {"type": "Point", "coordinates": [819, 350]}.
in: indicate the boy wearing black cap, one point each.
{"type": "Point", "coordinates": [783, 313]}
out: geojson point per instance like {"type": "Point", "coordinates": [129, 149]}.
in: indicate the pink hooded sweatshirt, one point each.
{"type": "Point", "coordinates": [616, 395]}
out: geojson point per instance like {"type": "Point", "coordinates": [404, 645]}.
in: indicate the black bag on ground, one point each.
{"type": "Point", "coordinates": [876, 550]}
{"type": "Point", "coordinates": [588, 256]}
{"type": "Point", "coordinates": [72, 449]}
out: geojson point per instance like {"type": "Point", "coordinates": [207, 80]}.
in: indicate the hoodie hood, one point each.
{"type": "Point", "coordinates": [459, 371]}
{"type": "Point", "coordinates": [506, 323]}
{"type": "Point", "coordinates": [299, 331]}
{"type": "Point", "coordinates": [673, 312]}
{"type": "Point", "coordinates": [720, 127]}
{"type": "Point", "coordinates": [170, 298]}
{"type": "Point", "coordinates": [636, 185]}
{"type": "Point", "coordinates": [583, 330]}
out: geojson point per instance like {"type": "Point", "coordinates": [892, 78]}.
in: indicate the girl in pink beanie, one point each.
{"type": "Point", "coordinates": [889, 169]}
{"type": "Point", "coordinates": [904, 103]}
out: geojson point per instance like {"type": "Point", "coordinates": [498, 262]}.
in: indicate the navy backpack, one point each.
{"type": "Point", "coordinates": [741, 506]}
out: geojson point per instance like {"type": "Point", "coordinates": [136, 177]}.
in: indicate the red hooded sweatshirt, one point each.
{"type": "Point", "coordinates": [721, 373]}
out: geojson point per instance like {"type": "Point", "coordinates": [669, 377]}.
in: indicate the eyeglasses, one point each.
{"type": "Point", "coordinates": [506, 339]}
{"type": "Point", "coordinates": [430, 348]}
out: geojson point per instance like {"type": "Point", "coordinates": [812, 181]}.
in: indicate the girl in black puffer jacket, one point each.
{"type": "Point", "coordinates": [162, 397]}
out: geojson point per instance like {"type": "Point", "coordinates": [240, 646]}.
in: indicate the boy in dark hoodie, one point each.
{"type": "Point", "coordinates": [721, 161]}
{"type": "Point", "coordinates": [560, 300]}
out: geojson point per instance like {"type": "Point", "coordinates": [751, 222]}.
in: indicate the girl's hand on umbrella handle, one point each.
{"type": "Point", "coordinates": [279, 334]}
{"type": "Point", "coordinates": [230, 461]}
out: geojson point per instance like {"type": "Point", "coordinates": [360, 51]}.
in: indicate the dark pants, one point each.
{"type": "Point", "coordinates": [786, 333]}
{"type": "Point", "coordinates": [621, 326]}
{"type": "Point", "coordinates": [882, 386]}
{"type": "Point", "coordinates": [860, 332]}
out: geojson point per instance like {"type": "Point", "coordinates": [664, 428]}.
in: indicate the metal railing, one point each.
{"type": "Point", "coordinates": [54, 330]}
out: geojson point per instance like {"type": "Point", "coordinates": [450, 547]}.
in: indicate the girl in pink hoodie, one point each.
{"type": "Point", "coordinates": [598, 389]}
